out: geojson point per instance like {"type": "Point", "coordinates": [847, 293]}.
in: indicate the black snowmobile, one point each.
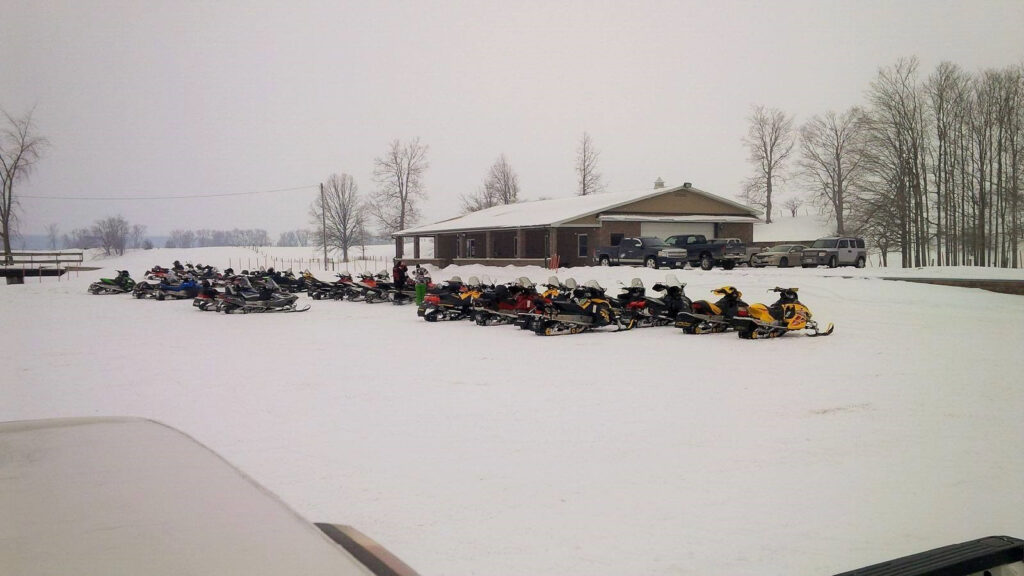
{"type": "Point", "coordinates": [401, 295]}
{"type": "Point", "coordinates": [120, 284]}
{"type": "Point", "coordinates": [588, 309]}
{"type": "Point", "coordinates": [707, 317]}
{"type": "Point", "coordinates": [654, 311]}
{"type": "Point", "coordinates": [240, 297]}
{"type": "Point", "coordinates": [337, 290]}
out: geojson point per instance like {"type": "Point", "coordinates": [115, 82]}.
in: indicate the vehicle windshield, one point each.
{"type": "Point", "coordinates": [825, 243]}
{"type": "Point", "coordinates": [653, 242]}
{"type": "Point", "coordinates": [782, 248]}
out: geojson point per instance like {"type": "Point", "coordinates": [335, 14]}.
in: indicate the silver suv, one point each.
{"type": "Point", "coordinates": [835, 251]}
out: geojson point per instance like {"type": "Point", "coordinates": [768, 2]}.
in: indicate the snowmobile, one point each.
{"type": "Point", "coordinates": [786, 315]}
{"type": "Point", "coordinates": [376, 289]}
{"type": "Point", "coordinates": [286, 280]}
{"type": "Point", "coordinates": [242, 298]}
{"type": "Point", "coordinates": [654, 311]}
{"type": "Point", "coordinates": [315, 288]}
{"type": "Point", "coordinates": [400, 295]}
{"type": "Point", "coordinates": [337, 290]}
{"type": "Point", "coordinates": [187, 288]}
{"type": "Point", "coordinates": [588, 309]}
{"type": "Point", "coordinates": [156, 273]}
{"type": "Point", "coordinates": [164, 286]}
{"type": "Point", "coordinates": [707, 317]}
{"type": "Point", "coordinates": [453, 300]}
{"type": "Point", "coordinates": [208, 299]}
{"type": "Point", "coordinates": [554, 290]}
{"type": "Point", "coordinates": [120, 284]}
{"type": "Point", "coordinates": [502, 304]}
{"type": "Point", "coordinates": [366, 285]}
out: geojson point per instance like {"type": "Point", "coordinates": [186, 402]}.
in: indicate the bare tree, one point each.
{"type": "Point", "coordinates": [770, 140]}
{"type": "Point", "coordinates": [20, 149]}
{"type": "Point", "coordinates": [112, 234]}
{"type": "Point", "coordinates": [588, 179]}
{"type": "Point", "coordinates": [52, 231]}
{"type": "Point", "coordinates": [181, 239]}
{"type": "Point", "coordinates": [81, 238]}
{"type": "Point", "coordinates": [287, 239]}
{"type": "Point", "coordinates": [501, 186]}
{"type": "Point", "coordinates": [896, 152]}
{"type": "Point", "coordinates": [399, 173]}
{"type": "Point", "coordinates": [344, 214]}
{"type": "Point", "coordinates": [793, 204]}
{"type": "Point", "coordinates": [831, 149]}
{"type": "Point", "coordinates": [136, 235]}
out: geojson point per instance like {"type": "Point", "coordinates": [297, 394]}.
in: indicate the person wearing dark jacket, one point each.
{"type": "Point", "coordinates": [398, 274]}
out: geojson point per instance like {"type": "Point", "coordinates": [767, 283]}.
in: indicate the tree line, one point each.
{"type": "Point", "coordinates": [341, 216]}
{"type": "Point", "coordinates": [929, 167]}
{"type": "Point", "coordinates": [114, 234]}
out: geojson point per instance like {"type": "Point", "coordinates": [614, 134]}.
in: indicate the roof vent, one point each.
{"type": "Point", "coordinates": [659, 183]}
{"type": "Point", "coordinates": [687, 185]}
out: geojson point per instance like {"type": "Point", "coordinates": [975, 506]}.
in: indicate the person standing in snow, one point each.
{"type": "Point", "coordinates": [422, 279]}
{"type": "Point", "coordinates": [399, 273]}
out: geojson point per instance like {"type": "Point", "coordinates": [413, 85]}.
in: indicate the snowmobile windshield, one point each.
{"type": "Point", "coordinates": [825, 243]}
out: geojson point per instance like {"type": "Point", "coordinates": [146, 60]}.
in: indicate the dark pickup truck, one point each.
{"type": "Point", "coordinates": [709, 253]}
{"type": "Point", "coordinates": [649, 251]}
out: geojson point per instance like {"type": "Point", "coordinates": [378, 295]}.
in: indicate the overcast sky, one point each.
{"type": "Point", "coordinates": [176, 98]}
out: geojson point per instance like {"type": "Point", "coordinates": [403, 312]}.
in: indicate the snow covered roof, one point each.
{"type": "Point", "coordinates": [687, 218]}
{"type": "Point", "coordinates": [131, 496]}
{"type": "Point", "coordinates": [553, 212]}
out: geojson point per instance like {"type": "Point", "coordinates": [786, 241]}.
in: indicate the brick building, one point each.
{"type": "Point", "coordinates": [569, 229]}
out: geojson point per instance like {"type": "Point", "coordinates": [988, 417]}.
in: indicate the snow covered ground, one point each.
{"type": "Point", "coordinates": [487, 450]}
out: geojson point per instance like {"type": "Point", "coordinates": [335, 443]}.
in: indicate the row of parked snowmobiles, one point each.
{"type": "Point", "coordinates": [568, 308]}
{"type": "Point", "coordinates": [209, 289]}
{"type": "Point", "coordinates": [369, 288]}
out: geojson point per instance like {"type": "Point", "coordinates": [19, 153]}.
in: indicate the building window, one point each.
{"type": "Point", "coordinates": [617, 238]}
{"type": "Point", "coordinates": [581, 246]}
{"type": "Point", "coordinates": [471, 247]}
{"type": "Point", "coordinates": [515, 246]}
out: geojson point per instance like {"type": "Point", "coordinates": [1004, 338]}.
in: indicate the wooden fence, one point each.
{"type": "Point", "coordinates": [32, 263]}
{"type": "Point", "coordinates": [262, 260]}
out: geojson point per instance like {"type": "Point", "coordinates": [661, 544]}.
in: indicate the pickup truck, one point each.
{"type": "Point", "coordinates": [709, 253]}
{"type": "Point", "coordinates": [650, 251]}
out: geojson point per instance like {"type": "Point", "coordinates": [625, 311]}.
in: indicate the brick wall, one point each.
{"type": "Point", "coordinates": [627, 229]}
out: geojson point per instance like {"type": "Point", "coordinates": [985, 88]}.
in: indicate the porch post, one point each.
{"type": "Point", "coordinates": [520, 247]}
{"type": "Point", "coordinates": [552, 243]}
{"type": "Point", "coordinates": [488, 245]}
{"type": "Point", "coordinates": [416, 247]}
{"type": "Point", "coordinates": [399, 246]}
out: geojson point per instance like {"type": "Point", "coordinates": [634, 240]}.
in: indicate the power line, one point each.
{"type": "Point", "coordinates": [188, 196]}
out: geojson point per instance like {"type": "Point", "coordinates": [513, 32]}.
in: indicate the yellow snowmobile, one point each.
{"type": "Point", "coordinates": [787, 314]}
{"type": "Point", "coordinates": [705, 317]}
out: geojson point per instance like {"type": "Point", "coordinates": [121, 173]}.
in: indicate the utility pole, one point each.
{"type": "Point", "coordinates": [323, 217]}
